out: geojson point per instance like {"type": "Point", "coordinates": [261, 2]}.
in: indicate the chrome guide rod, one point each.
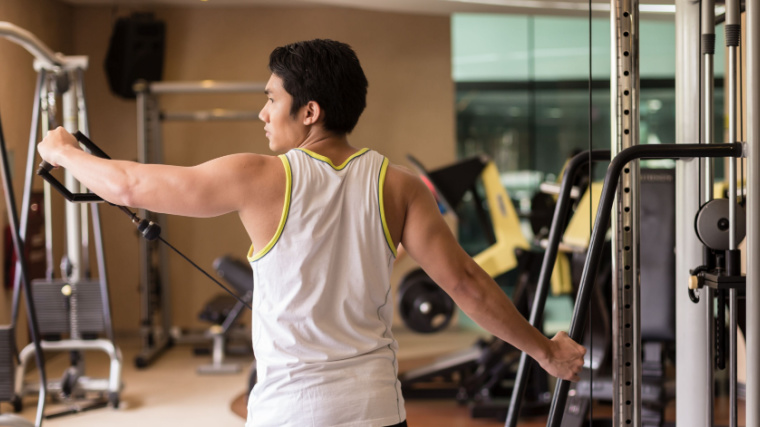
{"type": "Point", "coordinates": [708, 78]}
{"type": "Point", "coordinates": [733, 37]}
{"type": "Point", "coordinates": [752, 41]}
{"type": "Point", "coordinates": [708, 137]}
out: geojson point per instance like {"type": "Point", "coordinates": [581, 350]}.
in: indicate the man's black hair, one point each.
{"type": "Point", "coordinates": [325, 71]}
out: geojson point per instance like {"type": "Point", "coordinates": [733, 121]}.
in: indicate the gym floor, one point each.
{"type": "Point", "coordinates": [170, 392]}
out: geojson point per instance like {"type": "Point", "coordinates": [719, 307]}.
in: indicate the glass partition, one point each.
{"type": "Point", "coordinates": [522, 97]}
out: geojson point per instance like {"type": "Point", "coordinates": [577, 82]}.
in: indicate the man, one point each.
{"type": "Point", "coordinates": [324, 220]}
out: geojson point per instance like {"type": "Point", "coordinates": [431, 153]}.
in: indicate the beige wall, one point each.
{"type": "Point", "coordinates": [407, 59]}
{"type": "Point", "coordinates": [50, 21]}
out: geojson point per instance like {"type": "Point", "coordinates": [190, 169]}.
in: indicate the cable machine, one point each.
{"type": "Point", "coordinates": [73, 310]}
{"type": "Point", "coordinates": [156, 329]}
{"type": "Point", "coordinates": [707, 231]}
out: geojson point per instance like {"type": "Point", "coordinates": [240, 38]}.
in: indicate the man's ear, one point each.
{"type": "Point", "coordinates": [312, 113]}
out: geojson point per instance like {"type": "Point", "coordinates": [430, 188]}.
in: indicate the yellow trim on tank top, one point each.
{"type": "Point", "coordinates": [328, 161]}
{"type": "Point", "coordinates": [380, 186]}
{"type": "Point", "coordinates": [283, 218]}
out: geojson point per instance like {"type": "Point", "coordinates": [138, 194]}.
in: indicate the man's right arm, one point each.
{"type": "Point", "coordinates": [212, 188]}
{"type": "Point", "coordinates": [428, 239]}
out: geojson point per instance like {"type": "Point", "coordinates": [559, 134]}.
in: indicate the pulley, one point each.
{"type": "Point", "coordinates": [423, 305]}
{"type": "Point", "coordinates": [712, 224]}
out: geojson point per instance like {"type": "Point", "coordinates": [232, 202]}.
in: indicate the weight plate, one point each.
{"type": "Point", "coordinates": [423, 305]}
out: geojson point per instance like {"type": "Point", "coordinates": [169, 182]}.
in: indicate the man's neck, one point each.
{"type": "Point", "coordinates": [322, 140]}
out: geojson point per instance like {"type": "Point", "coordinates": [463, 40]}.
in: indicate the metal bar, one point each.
{"type": "Point", "coordinates": [32, 44]}
{"type": "Point", "coordinates": [694, 373]}
{"type": "Point", "coordinates": [732, 116]}
{"type": "Point", "coordinates": [561, 211]}
{"type": "Point", "coordinates": [73, 225]}
{"type": "Point", "coordinates": [733, 35]}
{"type": "Point", "coordinates": [204, 86]}
{"type": "Point", "coordinates": [48, 113]}
{"type": "Point", "coordinates": [708, 137]}
{"type": "Point", "coordinates": [84, 126]}
{"type": "Point", "coordinates": [155, 153]}
{"type": "Point", "coordinates": [708, 79]}
{"type": "Point", "coordinates": [72, 264]}
{"type": "Point", "coordinates": [146, 320]}
{"type": "Point", "coordinates": [18, 246]}
{"type": "Point", "coordinates": [217, 114]}
{"type": "Point", "coordinates": [661, 151]}
{"type": "Point", "coordinates": [100, 256]}
{"type": "Point", "coordinates": [626, 334]}
{"type": "Point", "coordinates": [752, 41]}
{"type": "Point", "coordinates": [27, 195]}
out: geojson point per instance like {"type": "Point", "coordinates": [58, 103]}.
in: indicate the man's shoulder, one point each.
{"type": "Point", "coordinates": [250, 168]}
{"type": "Point", "coordinates": [403, 181]}
{"type": "Point", "coordinates": [251, 159]}
{"type": "Point", "coordinates": [401, 172]}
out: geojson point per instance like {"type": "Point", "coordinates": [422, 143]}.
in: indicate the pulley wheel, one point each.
{"type": "Point", "coordinates": [713, 224]}
{"type": "Point", "coordinates": [423, 305]}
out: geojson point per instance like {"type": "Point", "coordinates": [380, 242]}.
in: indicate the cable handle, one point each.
{"type": "Point", "coordinates": [91, 147]}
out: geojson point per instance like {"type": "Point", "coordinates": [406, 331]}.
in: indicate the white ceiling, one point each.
{"type": "Point", "coordinates": [433, 7]}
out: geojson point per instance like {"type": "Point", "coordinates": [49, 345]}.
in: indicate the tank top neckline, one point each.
{"type": "Point", "coordinates": [327, 160]}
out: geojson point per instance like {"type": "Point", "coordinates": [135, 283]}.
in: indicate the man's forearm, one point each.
{"type": "Point", "coordinates": [488, 306]}
{"type": "Point", "coordinates": [108, 179]}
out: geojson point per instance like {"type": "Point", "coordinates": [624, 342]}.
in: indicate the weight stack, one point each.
{"type": "Point", "coordinates": [57, 313]}
{"type": "Point", "coordinates": [7, 368]}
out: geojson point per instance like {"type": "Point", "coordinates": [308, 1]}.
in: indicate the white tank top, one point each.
{"type": "Point", "coordinates": [322, 305]}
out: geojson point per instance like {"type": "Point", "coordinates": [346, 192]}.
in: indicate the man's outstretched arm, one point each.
{"type": "Point", "coordinates": [213, 188]}
{"type": "Point", "coordinates": [429, 241]}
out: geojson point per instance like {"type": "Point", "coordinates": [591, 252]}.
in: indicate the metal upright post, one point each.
{"type": "Point", "coordinates": [733, 37]}
{"type": "Point", "coordinates": [154, 339]}
{"type": "Point", "coordinates": [626, 333]}
{"type": "Point", "coordinates": [693, 364]}
{"type": "Point", "coordinates": [28, 179]}
{"type": "Point", "coordinates": [145, 306]}
{"type": "Point", "coordinates": [73, 218]}
{"type": "Point", "coordinates": [752, 41]}
{"type": "Point", "coordinates": [155, 154]}
{"type": "Point", "coordinates": [84, 125]}
{"type": "Point", "coordinates": [708, 137]}
{"type": "Point", "coordinates": [708, 79]}
{"type": "Point", "coordinates": [48, 103]}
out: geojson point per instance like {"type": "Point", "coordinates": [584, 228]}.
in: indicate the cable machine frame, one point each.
{"type": "Point", "coordinates": [54, 69]}
{"type": "Point", "coordinates": [694, 325]}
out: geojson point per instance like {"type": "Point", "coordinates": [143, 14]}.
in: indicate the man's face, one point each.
{"type": "Point", "coordinates": [283, 130]}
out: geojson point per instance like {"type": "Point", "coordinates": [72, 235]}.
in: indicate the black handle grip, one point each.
{"type": "Point", "coordinates": [91, 147]}
{"type": "Point", "coordinates": [45, 168]}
